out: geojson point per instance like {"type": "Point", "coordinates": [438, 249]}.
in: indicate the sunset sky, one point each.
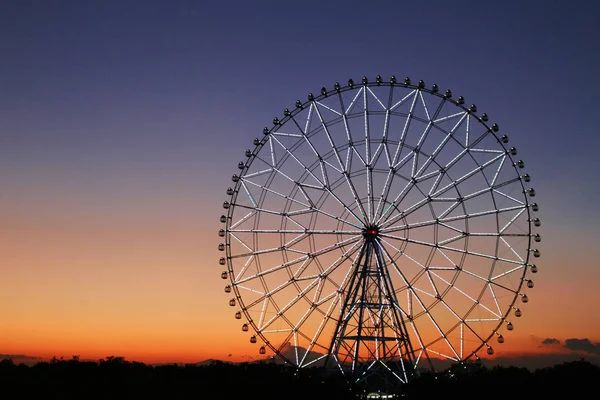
{"type": "Point", "coordinates": [121, 123]}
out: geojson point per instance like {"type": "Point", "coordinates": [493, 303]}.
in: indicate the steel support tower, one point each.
{"type": "Point", "coordinates": [371, 345]}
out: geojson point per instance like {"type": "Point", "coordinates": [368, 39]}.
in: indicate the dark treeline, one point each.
{"type": "Point", "coordinates": [571, 380]}
{"type": "Point", "coordinates": [115, 377]}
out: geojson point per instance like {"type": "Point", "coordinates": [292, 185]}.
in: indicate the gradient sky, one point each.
{"type": "Point", "coordinates": [121, 123]}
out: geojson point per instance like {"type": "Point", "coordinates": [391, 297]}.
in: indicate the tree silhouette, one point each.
{"type": "Point", "coordinates": [116, 378]}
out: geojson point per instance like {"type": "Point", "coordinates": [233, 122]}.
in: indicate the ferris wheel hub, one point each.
{"type": "Point", "coordinates": [370, 232]}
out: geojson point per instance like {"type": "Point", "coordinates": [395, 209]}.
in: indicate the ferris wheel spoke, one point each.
{"type": "Point", "coordinates": [438, 149]}
{"type": "Point", "coordinates": [409, 157]}
{"type": "Point", "coordinates": [499, 235]}
{"type": "Point", "coordinates": [432, 320]}
{"type": "Point", "coordinates": [271, 191]}
{"type": "Point", "coordinates": [497, 173]}
{"type": "Point", "coordinates": [459, 322]}
{"type": "Point", "coordinates": [352, 240]}
{"type": "Point", "coordinates": [358, 219]}
{"type": "Point", "coordinates": [422, 138]}
{"type": "Point", "coordinates": [425, 108]}
{"type": "Point", "coordinates": [408, 211]}
{"type": "Point", "coordinates": [434, 245]}
{"type": "Point", "coordinates": [289, 216]}
{"type": "Point", "coordinates": [299, 231]}
{"type": "Point", "coordinates": [311, 340]}
{"type": "Point", "coordinates": [301, 259]}
{"type": "Point", "coordinates": [317, 280]}
{"type": "Point", "coordinates": [287, 135]}
{"type": "Point", "coordinates": [443, 219]}
{"type": "Point", "coordinates": [436, 183]}
{"type": "Point", "coordinates": [300, 163]}
{"type": "Point", "coordinates": [273, 170]}
{"type": "Point", "coordinates": [492, 282]}
{"type": "Point", "coordinates": [384, 194]}
{"type": "Point", "coordinates": [450, 227]}
{"type": "Point", "coordinates": [272, 151]}
{"type": "Point", "coordinates": [281, 311]}
{"type": "Point", "coordinates": [397, 269]}
{"type": "Point", "coordinates": [411, 183]}
{"type": "Point", "coordinates": [406, 125]}
{"type": "Point", "coordinates": [288, 246]}
{"type": "Point", "coordinates": [368, 166]}
{"type": "Point", "coordinates": [316, 360]}
{"type": "Point", "coordinates": [453, 287]}
{"type": "Point", "coordinates": [354, 193]}
{"type": "Point", "coordinates": [321, 104]}
{"type": "Point", "coordinates": [492, 289]}
{"type": "Point", "coordinates": [428, 176]}
{"type": "Point", "coordinates": [250, 197]}
{"type": "Point", "coordinates": [394, 204]}
{"type": "Point", "coordinates": [245, 267]}
{"type": "Point", "coordinates": [296, 326]}
{"type": "Point", "coordinates": [433, 294]}
{"type": "Point", "coordinates": [509, 272]}
{"type": "Point", "coordinates": [257, 210]}
{"type": "Point", "coordinates": [453, 265]}
{"type": "Point", "coordinates": [379, 213]}
{"type": "Point", "coordinates": [354, 101]}
{"type": "Point", "coordinates": [474, 275]}
{"type": "Point", "coordinates": [453, 239]}
{"type": "Point", "coordinates": [465, 151]}
{"type": "Point", "coordinates": [241, 242]}
{"type": "Point", "coordinates": [243, 219]}
{"type": "Point", "coordinates": [265, 251]}
{"type": "Point", "coordinates": [322, 184]}
{"type": "Point", "coordinates": [310, 209]}
{"type": "Point", "coordinates": [258, 173]}
{"type": "Point", "coordinates": [377, 99]}
{"type": "Point", "coordinates": [461, 292]}
{"type": "Point", "coordinates": [403, 100]}
{"type": "Point", "coordinates": [354, 249]}
{"type": "Point", "coordinates": [271, 270]}
{"type": "Point", "coordinates": [496, 284]}
{"type": "Point", "coordinates": [351, 149]}
{"type": "Point", "coordinates": [507, 196]}
{"type": "Point", "coordinates": [324, 172]}
{"type": "Point", "coordinates": [482, 213]}
{"type": "Point", "coordinates": [466, 176]}
{"type": "Point", "coordinates": [343, 168]}
{"type": "Point", "coordinates": [321, 212]}
{"type": "Point", "coordinates": [449, 117]}
{"type": "Point", "coordinates": [417, 150]}
{"type": "Point", "coordinates": [383, 148]}
{"type": "Point", "coordinates": [456, 201]}
{"type": "Point", "coordinates": [445, 339]}
{"type": "Point", "coordinates": [329, 137]}
{"type": "Point", "coordinates": [389, 288]}
{"type": "Point", "coordinates": [352, 152]}
{"type": "Point", "coordinates": [479, 168]}
{"type": "Point", "coordinates": [267, 296]}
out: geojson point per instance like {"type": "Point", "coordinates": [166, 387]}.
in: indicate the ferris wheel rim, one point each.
{"type": "Point", "coordinates": [355, 235]}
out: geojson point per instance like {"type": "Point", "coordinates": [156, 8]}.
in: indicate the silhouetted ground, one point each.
{"type": "Point", "coordinates": [117, 378]}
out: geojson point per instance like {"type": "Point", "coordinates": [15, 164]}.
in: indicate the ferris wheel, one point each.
{"type": "Point", "coordinates": [379, 225]}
